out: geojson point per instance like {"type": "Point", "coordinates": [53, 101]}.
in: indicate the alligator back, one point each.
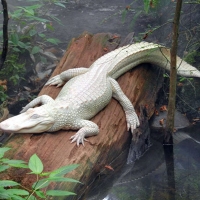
{"type": "Point", "coordinates": [125, 58]}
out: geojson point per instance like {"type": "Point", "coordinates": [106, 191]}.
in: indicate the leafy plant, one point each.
{"type": "Point", "coordinates": [25, 27]}
{"type": "Point", "coordinates": [192, 56]}
{"type": "Point", "coordinates": [27, 35]}
{"type": "Point", "coordinates": [14, 70]}
{"type": "Point", "coordinates": [12, 190]}
{"type": "Point", "coordinates": [3, 95]}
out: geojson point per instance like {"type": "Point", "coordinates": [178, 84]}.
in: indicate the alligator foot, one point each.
{"type": "Point", "coordinates": [56, 80]}
{"type": "Point", "coordinates": [79, 139]}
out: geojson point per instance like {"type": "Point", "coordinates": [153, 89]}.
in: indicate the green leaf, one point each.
{"type": "Point", "coordinates": [6, 183]}
{"type": "Point", "coordinates": [24, 45]}
{"type": "Point", "coordinates": [30, 198]}
{"type": "Point", "coordinates": [62, 179]}
{"type": "Point", "coordinates": [40, 194]}
{"type": "Point", "coordinates": [16, 14]}
{"type": "Point", "coordinates": [124, 13]}
{"type": "Point", "coordinates": [16, 49]}
{"type": "Point", "coordinates": [135, 18]}
{"type": "Point", "coordinates": [35, 164]}
{"type": "Point", "coordinates": [16, 163]}
{"type": "Point", "coordinates": [146, 5]}
{"type": "Point", "coordinates": [3, 194]}
{"type": "Point", "coordinates": [19, 166]}
{"type": "Point", "coordinates": [40, 184]}
{"type": "Point", "coordinates": [42, 35]}
{"type": "Point", "coordinates": [60, 4]}
{"type": "Point", "coordinates": [3, 160]}
{"type": "Point", "coordinates": [45, 174]}
{"type": "Point", "coordinates": [59, 193]}
{"type": "Point", "coordinates": [43, 59]}
{"type": "Point", "coordinates": [3, 150]}
{"type": "Point", "coordinates": [32, 32]}
{"type": "Point", "coordinates": [53, 40]}
{"type": "Point", "coordinates": [18, 192]}
{"type": "Point", "coordinates": [56, 19]}
{"type": "Point", "coordinates": [16, 197]}
{"type": "Point", "coordinates": [38, 19]}
{"type": "Point", "coordinates": [35, 50]}
{"type": "Point", "coordinates": [27, 10]}
{"type": "Point", "coordinates": [50, 27]}
{"type": "Point", "coordinates": [3, 167]}
{"type": "Point", "coordinates": [63, 170]}
{"type": "Point", "coordinates": [33, 7]}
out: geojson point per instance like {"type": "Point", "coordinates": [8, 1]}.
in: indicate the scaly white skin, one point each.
{"type": "Point", "coordinates": [89, 90]}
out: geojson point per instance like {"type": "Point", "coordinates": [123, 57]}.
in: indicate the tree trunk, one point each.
{"type": "Point", "coordinates": [110, 147]}
{"type": "Point", "coordinates": [169, 129]}
{"type": "Point", "coordinates": [5, 33]}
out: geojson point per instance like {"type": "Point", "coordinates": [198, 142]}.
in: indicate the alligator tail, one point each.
{"type": "Point", "coordinates": [130, 56]}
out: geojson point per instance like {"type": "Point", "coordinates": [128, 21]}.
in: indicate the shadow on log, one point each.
{"type": "Point", "coordinates": [110, 147]}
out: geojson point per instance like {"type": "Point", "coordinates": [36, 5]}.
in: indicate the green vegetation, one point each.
{"type": "Point", "coordinates": [27, 25]}
{"type": "Point", "coordinates": [192, 56]}
{"type": "Point", "coordinates": [14, 191]}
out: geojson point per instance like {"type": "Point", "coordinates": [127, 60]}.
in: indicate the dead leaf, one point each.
{"type": "Point", "coordinates": [162, 122]}
{"type": "Point", "coordinates": [174, 131]}
{"type": "Point", "coordinates": [109, 167]}
{"type": "Point", "coordinates": [180, 84]}
{"type": "Point", "coordinates": [196, 120]}
{"type": "Point", "coordinates": [156, 112]}
{"type": "Point", "coordinates": [105, 49]}
{"type": "Point", "coordinates": [163, 108]}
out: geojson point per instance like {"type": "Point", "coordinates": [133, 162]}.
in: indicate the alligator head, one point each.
{"type": "Point", "coordinates": [34, 120]}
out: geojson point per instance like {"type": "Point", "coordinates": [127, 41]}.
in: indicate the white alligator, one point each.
{"type": "Point", "coordinates": [88, 91]}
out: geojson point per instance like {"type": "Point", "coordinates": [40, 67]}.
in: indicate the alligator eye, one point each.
{"type": "Point", "coordinates": [35, 116]}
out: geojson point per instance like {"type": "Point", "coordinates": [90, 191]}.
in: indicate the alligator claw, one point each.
{"type": "Point", "coordinates": [56, 80]}
{"type": "Point", "coordinates": [132, 121]}
{"type": "Point", "coordinates": [78, 138]}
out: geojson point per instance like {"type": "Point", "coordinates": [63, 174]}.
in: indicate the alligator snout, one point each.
{"type": "Point", "coordinates": [7, 127]}
{"type": "Point", "coordinates": [3, 126]}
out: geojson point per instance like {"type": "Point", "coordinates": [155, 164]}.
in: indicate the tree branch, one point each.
{"type": "Point", "coordinates": [173, 73]}
{"type": "Point", "coordinates": [5, 33]}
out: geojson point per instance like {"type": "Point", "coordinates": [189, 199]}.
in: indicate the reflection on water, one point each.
{"type": "Point", "coordinates": [150, 179]}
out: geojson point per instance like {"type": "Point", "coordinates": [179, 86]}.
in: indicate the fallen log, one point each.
{"type": "Point", "coordinates": [105, 153]}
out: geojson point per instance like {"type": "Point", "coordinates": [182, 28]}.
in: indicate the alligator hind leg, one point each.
{"type": "Point", "coordinates": [39, 100]}
{"type": "Point", "coordinates": [131, 116]}
{"type": "Point", "coordinates": [86, 129]}
{"type": "Point", "coordinates": [60, 79]}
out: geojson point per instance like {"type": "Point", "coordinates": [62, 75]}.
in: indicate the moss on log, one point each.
{"type": "Point", "coordinates": [110, 147]}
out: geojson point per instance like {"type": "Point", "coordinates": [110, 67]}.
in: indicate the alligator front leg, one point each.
{"type": "Point", "coordinates": [86, 129]}
{"type": "Point", "coordinates": [62, 78]}
{"type": "Point", "coordinates": [39, 100]}
{"type": "Point", "coordinates": [131, 116]}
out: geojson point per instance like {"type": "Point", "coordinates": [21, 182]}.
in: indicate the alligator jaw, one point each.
{"type": "Point", "coordinates": [34, 120]}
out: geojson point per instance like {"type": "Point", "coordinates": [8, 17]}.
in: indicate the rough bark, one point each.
{"type": "Point", "coordinates": [110, 146]}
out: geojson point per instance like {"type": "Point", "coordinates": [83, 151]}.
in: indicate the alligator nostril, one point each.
{"type": "Point", "coordinates": [3, 126]}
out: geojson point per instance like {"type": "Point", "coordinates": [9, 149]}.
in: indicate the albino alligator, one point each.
{"type": "Point", "coordinates": [88, 91]}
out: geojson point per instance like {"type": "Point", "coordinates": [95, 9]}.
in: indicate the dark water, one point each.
{"type": "Point", "coordinates": [149, 178]}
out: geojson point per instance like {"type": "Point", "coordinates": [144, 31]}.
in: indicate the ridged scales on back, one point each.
{"type": "Point", "coordinates": [89, 90]}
